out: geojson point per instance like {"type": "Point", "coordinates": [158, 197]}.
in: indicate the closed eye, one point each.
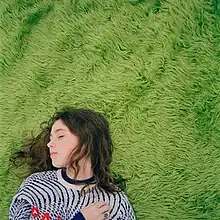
{"type": "Point", "coordinates": [61, 136]}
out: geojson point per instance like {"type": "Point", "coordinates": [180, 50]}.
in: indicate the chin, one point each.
{"type": "Point", "coordinates": [57, 165]}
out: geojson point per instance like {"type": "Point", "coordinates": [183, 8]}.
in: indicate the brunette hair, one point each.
{"type": "Point", "coordinates": [95, 141]}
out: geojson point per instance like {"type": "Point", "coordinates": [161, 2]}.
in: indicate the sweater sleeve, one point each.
{"type": "Point", "coordinates": [20, 209]}
{"type": "Point", "coordinates": [79, 216]}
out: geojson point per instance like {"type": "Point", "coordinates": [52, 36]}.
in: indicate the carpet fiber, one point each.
{"type": "Point", "coordinates": [151, 66]}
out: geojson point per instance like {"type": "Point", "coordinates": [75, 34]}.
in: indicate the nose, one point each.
{"type": "Point", "coordinates": [50, 144]}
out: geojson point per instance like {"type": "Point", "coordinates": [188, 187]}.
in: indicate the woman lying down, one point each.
{"type": "Point", "coordinates": [71, 179]}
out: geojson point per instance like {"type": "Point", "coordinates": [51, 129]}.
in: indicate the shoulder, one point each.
{"type": "Point", "coordinates": [123, 198]}
{"type": "Point", "coordinates": [118, 198]}
{"type": "Point", "coordinates": [120, 194]}
{"type": "Point", "coordinates": [36, 185]}
{"type": "Point", "coordinates": [39, 179]}
{"type": "Point", "coordinates": [41, 176]}
{"type": "Point", "coordinates": [37, 189]}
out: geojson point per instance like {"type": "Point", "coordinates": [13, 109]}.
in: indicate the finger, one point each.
{"type": "Point", "coordinates": [104, 217]}
{"type": "Point", "coordinates": [100, 204]}
{"type": "Point", "coordinates": [104, 209]}
{"type": "Point", "coordinates": [96, 204]}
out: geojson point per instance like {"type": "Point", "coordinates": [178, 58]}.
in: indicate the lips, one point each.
{"type": "Point", "coordinates": [53, 153]}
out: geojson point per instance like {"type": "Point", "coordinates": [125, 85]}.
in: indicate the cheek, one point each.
{"type": "Point", "coordinates": [65, 148]}
{"type": "Point", "coordinates": [70, 145]}
{"type": "Point", "coordinates": [66, 151]}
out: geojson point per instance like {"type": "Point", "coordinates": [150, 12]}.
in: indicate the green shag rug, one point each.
{"type": "Point", "coordinates": [151, 66]}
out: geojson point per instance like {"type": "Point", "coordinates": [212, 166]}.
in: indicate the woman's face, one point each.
{"type": "Point", "coordinates": [62, 143]}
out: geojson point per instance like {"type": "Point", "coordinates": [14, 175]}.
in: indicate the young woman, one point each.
{"type": "Point", "coordinates": [71, 177]}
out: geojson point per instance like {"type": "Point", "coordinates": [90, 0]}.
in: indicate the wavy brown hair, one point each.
{"type": "Point", "coordinates": [95, 142]}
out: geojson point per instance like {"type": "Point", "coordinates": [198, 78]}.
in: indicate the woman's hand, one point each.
{"type": "Point", "coordinates": [96, 211]}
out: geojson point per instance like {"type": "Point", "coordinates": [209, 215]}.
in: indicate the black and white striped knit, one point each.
{"type": "Point", "coordinates": [48, 196]}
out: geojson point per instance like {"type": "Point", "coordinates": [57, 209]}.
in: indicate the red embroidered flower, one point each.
{"type": "Point", "coordinates": [35, 212]}
{"type": "Point", "coordinates": [46, 216]}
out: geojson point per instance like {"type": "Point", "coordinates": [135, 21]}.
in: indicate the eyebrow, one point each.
{"type": "Point", "coordinates": [57, 130]}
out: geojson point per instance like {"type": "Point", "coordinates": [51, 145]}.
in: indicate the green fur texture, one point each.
{"type": "Point", "coordinates": [151, 66]}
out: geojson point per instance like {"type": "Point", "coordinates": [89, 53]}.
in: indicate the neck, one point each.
{"type": "Point", "coordinates": [85, 171]}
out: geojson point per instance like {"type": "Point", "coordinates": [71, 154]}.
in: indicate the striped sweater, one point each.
{"type": "Point", "coordinates": [49, 196]}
